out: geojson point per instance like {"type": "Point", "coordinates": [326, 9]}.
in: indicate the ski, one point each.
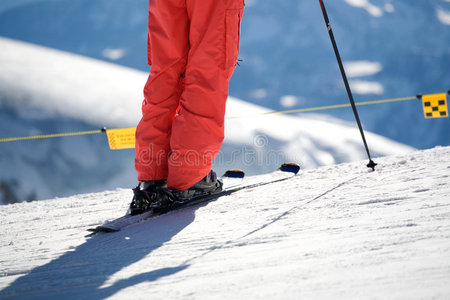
{"type": "Point", "coordinates": [285, 171]}
{"type": "Point", "coordinates": [233, 181]}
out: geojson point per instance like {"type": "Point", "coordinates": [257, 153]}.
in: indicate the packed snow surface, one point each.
{"type": "Point", "coordinates": [337, 231]}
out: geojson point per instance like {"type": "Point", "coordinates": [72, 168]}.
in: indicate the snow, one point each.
{"type": "Point", "coordinates": [289, 101]}
{"type": "Point", "coordinates": [389, 7]}
{"type": "Point", "coordinates": [258, 93]}
{"type": "Point", "coordinates": [337, 231]}
{"type": "Point", "coordinates": [362, 68]}
{"type": "Point", "coordinates": [114, 54]}
{"type": "Point", "coordinates": [70, 84]}
{"type": "Point", "coordinates": [364, 87]}
{"type": "Point", "coordinates": [443, 15]}
{"type": "Point", "coordinates": [373, 10]}
{"type": "Point", "coordinates": [354, 69]}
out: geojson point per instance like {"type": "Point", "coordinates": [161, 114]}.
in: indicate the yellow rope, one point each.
{"type": "Point", "coordinates": [323, 107]}
{"type": "Point", "coordinates": [46, 136]}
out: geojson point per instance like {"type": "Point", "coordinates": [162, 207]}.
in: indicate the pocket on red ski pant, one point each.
{"type": "Point", "coordinates": [232, 36]}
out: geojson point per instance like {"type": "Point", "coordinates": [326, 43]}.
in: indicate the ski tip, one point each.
{"type": "Point", "coordinates": [234, 173]}
{"type": "Point", "coordinates": [290, 167]}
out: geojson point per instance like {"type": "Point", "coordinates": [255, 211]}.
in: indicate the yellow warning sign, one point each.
{"type": "Point", "coordinates": [123, 138]}
{"type": "Point", "coordinates": [435, 105]}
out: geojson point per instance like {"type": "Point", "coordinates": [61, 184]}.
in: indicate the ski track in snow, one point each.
{"type": "Point", "coordinates": [333, 232]}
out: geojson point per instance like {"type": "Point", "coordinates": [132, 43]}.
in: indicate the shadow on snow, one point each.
{"type": "Point", "coordinates": [84, 272]}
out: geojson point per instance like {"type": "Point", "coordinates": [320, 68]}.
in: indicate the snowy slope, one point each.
{"type": "Point", "coordinates": [333, 232]}
{"type": "Point", "coordinates": [39, 85]}
{"type": "Point", "coordinates": [78, 87]}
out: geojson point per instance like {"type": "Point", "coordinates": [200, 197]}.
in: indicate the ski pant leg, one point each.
{"type": "Point", "coordinates": [198, 128]}
{"type": "Point", "coordinates": [168, 48]}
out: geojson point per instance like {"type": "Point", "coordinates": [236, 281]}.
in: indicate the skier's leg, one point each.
{"type": "Point", "coordinates": [167, 51]}
{"type": "Point", "coordinates": [198, 129]}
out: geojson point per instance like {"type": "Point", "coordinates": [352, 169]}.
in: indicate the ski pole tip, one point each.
{"type": "Point", "coordinates": [371, 165]}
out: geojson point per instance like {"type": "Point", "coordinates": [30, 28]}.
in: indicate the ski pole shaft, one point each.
{"type": "Point", "coordinates": [371, 163]}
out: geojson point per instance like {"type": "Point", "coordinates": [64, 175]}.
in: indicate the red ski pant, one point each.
{"type": "Point", "coordinates": [193, 49]}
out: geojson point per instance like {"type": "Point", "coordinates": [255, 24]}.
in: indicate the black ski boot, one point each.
{"type": "Point", "coordinates": [146, 195]}
{"type": "Point", "coordinates": [169, 199]}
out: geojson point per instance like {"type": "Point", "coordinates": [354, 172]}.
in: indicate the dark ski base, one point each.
{"type": "Point", "coordinates": [286, 171]}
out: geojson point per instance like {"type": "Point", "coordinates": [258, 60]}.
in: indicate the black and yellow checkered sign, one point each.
{"type": "Point", "coordinates": [435, 106]}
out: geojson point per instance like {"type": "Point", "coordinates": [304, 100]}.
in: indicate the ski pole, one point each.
{"type": "Point", "coordinates": [371, 163]}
